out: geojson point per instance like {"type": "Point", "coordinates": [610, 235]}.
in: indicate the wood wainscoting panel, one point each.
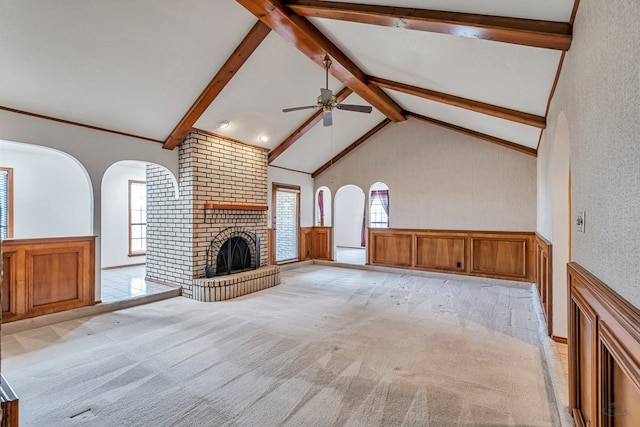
{"type": "Point", "coordinates": [306, 244]}
{"type": "Point", "coordinates": [391, 248]}
{"type": "Point", "coordinates": [441, 252]}
{"type": "Point", "coordinates": [604, 353]}
{"type": "Point", "coordinates": [501, 256]}
{"type": "Point", "coordinates": [544, 279]}
{"type": "Point", "coordinates": [8, 284]}
{"type": "Point", "coordinates": [321, 243]}
{"type": "Point", "coordinates": [48, 275]}
{"type": "Point", "coordinates": [496, 254]}
{"type": "Point", "coordinates": [54, 276]}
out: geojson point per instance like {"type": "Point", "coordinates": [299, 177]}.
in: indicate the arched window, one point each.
{"type": "Point", "coordinates": [323, 207]}
{"type": "Point", "coordinates": [379, 206]}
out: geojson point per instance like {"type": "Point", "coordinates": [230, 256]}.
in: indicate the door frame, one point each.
{"type": "Point", "coordinates": [275, 186]}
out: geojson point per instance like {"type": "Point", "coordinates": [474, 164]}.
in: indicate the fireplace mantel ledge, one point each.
{"type": "Point", "coordinates": [237, 207]}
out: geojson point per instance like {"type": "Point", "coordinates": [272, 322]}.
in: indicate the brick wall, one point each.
{"type": "Point", "coordinates": [211, 170]}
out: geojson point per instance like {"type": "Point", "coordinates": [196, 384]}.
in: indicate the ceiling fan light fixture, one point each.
{"type": "Point", "coordinates": [223, 124]}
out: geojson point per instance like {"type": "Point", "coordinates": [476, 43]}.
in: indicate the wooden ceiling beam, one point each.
{"type": "Point", "coordinates": [305, 127]}
{"type": "Point", "coordinates": [310, 41]}
{"type": "Point", "coordinates": [494, 140]}
{"type": "Point", "coordinates": [526, 32]}
{"type": "Point", "coordinates": [350, 148]}
{"type": "Point", "coordinates": [468, 104]}
{"type": "Point", "coordinates": [239, 56]}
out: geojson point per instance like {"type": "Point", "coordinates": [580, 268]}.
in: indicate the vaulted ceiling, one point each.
{"type": "Point", "coordinates": [158, 68]}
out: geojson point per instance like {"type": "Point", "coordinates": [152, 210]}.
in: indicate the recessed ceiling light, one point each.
{"type": "Point", "coordinates": [264, 138]}
{"type": "Point", "coordinates": [223, 124]}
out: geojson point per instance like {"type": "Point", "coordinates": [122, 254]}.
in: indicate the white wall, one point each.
{"type": "Point", "coordinates": [95, 150]}
{"type": "Point", "coordinates": [115, 212]}
{"type": "Point", "coordinates": [442, 179]}
{"type": "Point", "coordinates": [599, 93]}
{"type": "Point", "coordinates": [348, 213]}
{"type": "Point", "coordinates": [52, 193]}
{"type": "Point", "coordinates": [304, 180]}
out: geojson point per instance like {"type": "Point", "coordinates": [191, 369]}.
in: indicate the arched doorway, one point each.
{"type": "Point", "coordinates": [52, 192]}
{"type": "Point", "coordinates": [123, 229]}
{"type": "Point", "coordinates": [349, 233]}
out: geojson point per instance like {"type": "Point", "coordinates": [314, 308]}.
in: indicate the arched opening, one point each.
{"type": "Point", "coordinates": [52, 193]}
{"type": "Point", "coordinates": [561, 223]}
{"type": "Point", "coordinates": [379, 205]}
{"type": "Point", "coordinates": [350, 225]}
{"type": "Point", "coordinates": [123, 230]}
{"type": "Point", "coordinates": [323, 207]}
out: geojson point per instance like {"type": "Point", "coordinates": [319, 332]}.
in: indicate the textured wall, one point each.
{"type": "Point", "coordinates": [442, 179]}
{"type": "Point", "coordinates": [599, 91]}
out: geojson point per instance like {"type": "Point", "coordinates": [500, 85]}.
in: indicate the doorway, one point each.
{"type": "Point", "coordinates": [286, 222]}
{"type": "Point", "coordinates": [350, 225]}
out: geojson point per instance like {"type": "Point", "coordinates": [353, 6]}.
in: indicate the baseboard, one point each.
{"type": "Point", "coordinates": [162, 282]}
{"type": "Point", "coordinates": [124, 266]}
{"type": "Point", "coordinates": [561, 340]}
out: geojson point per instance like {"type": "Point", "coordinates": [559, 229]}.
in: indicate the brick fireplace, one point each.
{"type": "Point", "coordinates": [230, 179]}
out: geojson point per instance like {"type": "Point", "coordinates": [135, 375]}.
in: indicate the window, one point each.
{"type": "Point", "coordinates": [6, 203]}
{"type": "Point", "coordinates": [379, 212]}
{"type": "Point", "coordinates": [137, 218]}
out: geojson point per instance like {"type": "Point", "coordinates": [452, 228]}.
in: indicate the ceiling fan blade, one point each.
{"type": "Point", "coordinates": [327, 119]}
{"type": "Point", "coordinates": [308, 107]}
{"type": "Point", "coordinates": [326, 95]}
{"type": "Point", "coordinates": [356, 108]}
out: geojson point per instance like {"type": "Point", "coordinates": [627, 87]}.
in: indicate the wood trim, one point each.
{"type": "Point", "coordinates": [560, 340]}
{"type": "Point", "coordinates": [227, 138]}
{"type": "Point", "coordinates": [131, 182]}
{"type": "Point", "coordinates": [82, 125]}
{"type": "Point", "coordinates": [9, 201]}
{"type": "Point", "coordinates": [114, 267]}
{"type": "Point", "coordinates": [576, 3]}
{"type": "Point", "coordinates": [553, 91]}
{"type": "Point", "coordinates": [10, 404]}
{"type": "Point", "coordinates": [351, 147]}
{"type": "Point", "coordinates": [313, 43]}
{"type": "Point", "coordinates": [237, 59]}
{"type": "Point", "coordinates": [494, 254]}
{"type": "Point", "coordinates": [616, 342]}
{"type": "Point", "coordinates": [525, 32]}
{"type": "Point", "coordinates": [275, 186]}
{"type": "Point", "coordinates": [305, 127]}
{"type": "Point", "coordinates": [465, 103]}
{"type": "Point", "coordinates": [289, 169]}
{"type": "Point", "coordinates": [492, 139]}
{"type": "Point", "coordinates": [236, 207]}
{"type": "Point", "coordinates": [544, 279]}
{"type": "Point", "coordinates": [49, 275]}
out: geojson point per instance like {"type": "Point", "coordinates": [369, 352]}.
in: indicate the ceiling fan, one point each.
{"type": "Point", "coordinates": [327, 100]}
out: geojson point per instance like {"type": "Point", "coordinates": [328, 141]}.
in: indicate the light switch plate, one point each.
{"type": "Point", "coordinates": [580, 222]}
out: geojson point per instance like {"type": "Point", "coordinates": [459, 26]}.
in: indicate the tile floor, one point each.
{"type": "Point", "coordinates": [351, 255]}
{"type": "Point", "coordinates": [128, 282]}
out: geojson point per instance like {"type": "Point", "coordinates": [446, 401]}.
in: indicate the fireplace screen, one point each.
{"type": "Point", "coordinates": [233, 250]}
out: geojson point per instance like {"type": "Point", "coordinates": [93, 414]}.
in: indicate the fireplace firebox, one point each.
{"type": "Point", "coordinates": [233, 250]}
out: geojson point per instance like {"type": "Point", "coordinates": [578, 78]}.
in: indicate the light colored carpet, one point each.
{"type": "Point", "coordinates": [330, 346]}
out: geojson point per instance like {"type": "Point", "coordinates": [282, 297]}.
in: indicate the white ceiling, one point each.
{"type": "Point", "coordinates": [137, 67]}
